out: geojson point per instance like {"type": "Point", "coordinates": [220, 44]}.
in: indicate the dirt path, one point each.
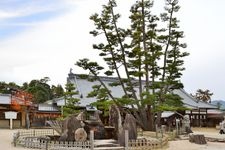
{"type": "Point", "coordinates": [6, 137]}
{"type": "Point", "coordinates": [186, 145]}
{"type": "Point", "coordinates": [208, 132]}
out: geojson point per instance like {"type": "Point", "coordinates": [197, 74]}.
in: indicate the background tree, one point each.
{"type": "Point", "coordinates": [71, 103]}
{"type": "Point", "coordinates": [57, 91]}
{"type": "Point", "coordinates": [42, 91]}
{"type": "Point", "coordinates": [5, 88]}
{"type": "Point", "coordinates": [150, 56]}
{"type": "Point", "coordinates": [102, 96]}
{"type": "Point", "coordinates": [218, 104]}
{"type": "Point", "coordinates": [203, 95]}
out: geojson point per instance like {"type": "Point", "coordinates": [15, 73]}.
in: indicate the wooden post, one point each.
{"type": "Point", "coordinates": [15, 137]}
{"type": "Point", "coordinates": [11, 123]}
{"type": "Point", "coordinates": [177, 127]}
{"type": "Point", "coordinates": [156, 131]}
{"type": "Point", "coordinates": [92, 139]}
{"type": "Point", "coordinates": [126, 139]}
{"type": "Point", "coordinates": [46, 146]}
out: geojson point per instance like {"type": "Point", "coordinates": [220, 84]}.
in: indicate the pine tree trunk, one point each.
{"type": "Point", "coordinates": [147, 120]}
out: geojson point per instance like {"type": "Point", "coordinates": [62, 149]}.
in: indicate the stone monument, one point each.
{"type": "Point", "coordinates": [186, 124]}
{"type": "Point", "coordinates": [222, 126]}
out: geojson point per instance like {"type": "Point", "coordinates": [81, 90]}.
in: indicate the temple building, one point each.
{"type": "Point", "coordinates": [200, 113]}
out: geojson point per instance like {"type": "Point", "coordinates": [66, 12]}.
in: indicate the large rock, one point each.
{"type": "Point", "coordinates": [80, 135]}
{"type": "Point", "coordinates": [115, 120]}
{"type": "Point", "coordinates": [197, 138]}
{"type": "Point", "coordinates": [70, 125]}
{"type": "Point", "coordinates": [131, 126]}
{"type": "Point", "coordinates": [97, 127]}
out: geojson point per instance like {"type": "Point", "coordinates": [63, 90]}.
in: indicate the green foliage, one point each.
{"type": "Point", "coordinates": [103, 103]}
{"type": "Point", "coordinates": [40, 90]}
{"type": "Point", "coordinates": [172, 103]}
{"type": "Point", "coordinates": [103, 106]}
{"type": "Point", "coordinates": [57, 91]}
{"type": "Point", "coordinates": [150, 56]}
{"type": "Point", "coordinates": [5, 88]}
{"type": "Point", "coordinates": [71, 103]}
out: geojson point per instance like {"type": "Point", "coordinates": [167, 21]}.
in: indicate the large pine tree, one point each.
{"type": "Point", "coordinates": [149, 53]}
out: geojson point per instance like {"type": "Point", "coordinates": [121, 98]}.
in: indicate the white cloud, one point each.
{"type": "Point", "coordinates": [50, 48]}
{"type": "Point", "coordinates": [5, 14]}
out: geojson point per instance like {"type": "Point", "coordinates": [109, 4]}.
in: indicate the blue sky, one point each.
{"type": "Point", "coordinates": [41, 38]}
{"type": "Point", "coordinates": [18, 15]}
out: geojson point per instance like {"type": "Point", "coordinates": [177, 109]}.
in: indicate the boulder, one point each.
{"type": "Point", "coordinates": [130, 125]}
{"type": "Point", "coordinates": [115, 120]}
{"type": "Point", "coordinates": [80, 135]}
{"type": "Point", "coordinates": [70, 125]}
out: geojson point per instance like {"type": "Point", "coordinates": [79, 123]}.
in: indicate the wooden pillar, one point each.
{"type": "Point", "coordinates": [23, 118]}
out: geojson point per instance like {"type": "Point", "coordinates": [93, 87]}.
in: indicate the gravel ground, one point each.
{"type": "Point", "coordinates": [186, 145]}
{"type": "Point", "coordinates": [6, 137]}
{"type": "Point", "coordinates": [208, 132]}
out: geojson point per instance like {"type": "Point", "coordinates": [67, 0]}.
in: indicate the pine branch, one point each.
{"type": "Point", "coordinates": [123, 53]}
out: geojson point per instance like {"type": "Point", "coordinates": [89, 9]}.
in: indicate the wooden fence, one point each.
{"type": "Point", "coordinates": [37, 139]}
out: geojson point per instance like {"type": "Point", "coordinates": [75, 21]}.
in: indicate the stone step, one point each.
{"type": "Point", "coordinates": [109, 148]}
{"type": "Point", "coordinates": [106, 143]}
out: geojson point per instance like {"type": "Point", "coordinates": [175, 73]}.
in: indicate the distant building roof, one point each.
{"type": "Point", "coordinates": [84, 87]}
{"type": "Point", "coordinates": [47, 108]}
{"type": "Point", "coordinates": [59, 101]}
{"type": "Point", "coordinates": [167, 114]}
{"type": "Point", "coordinates": [190, 101]}
{"type": "Point", "coordinates": [5, 98]}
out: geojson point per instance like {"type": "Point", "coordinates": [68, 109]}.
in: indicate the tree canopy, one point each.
{"type": "Point", "coordinates": [71, 103]}
{"type": "Point", "coordinates": [203, 95]}
{"type": "Point", "coordinates": [150, 54]}
{"type": "Point", "coordinates": [40, 89]}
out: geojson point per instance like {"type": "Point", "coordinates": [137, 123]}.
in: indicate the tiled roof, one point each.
{"type": "Point", "coordinates": [47, 108]}
{"type": "Point", "coordinates": [59, 101]}
{"type": "Point", "coordinates": [190, 101]}
{"type": "Point", "coordinates": [84, 87]}
{"type": "Point", "coordinates": [167, 114]}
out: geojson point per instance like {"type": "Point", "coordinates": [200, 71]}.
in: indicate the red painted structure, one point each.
{"type": "Point", "coordinates": [20, 98]}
